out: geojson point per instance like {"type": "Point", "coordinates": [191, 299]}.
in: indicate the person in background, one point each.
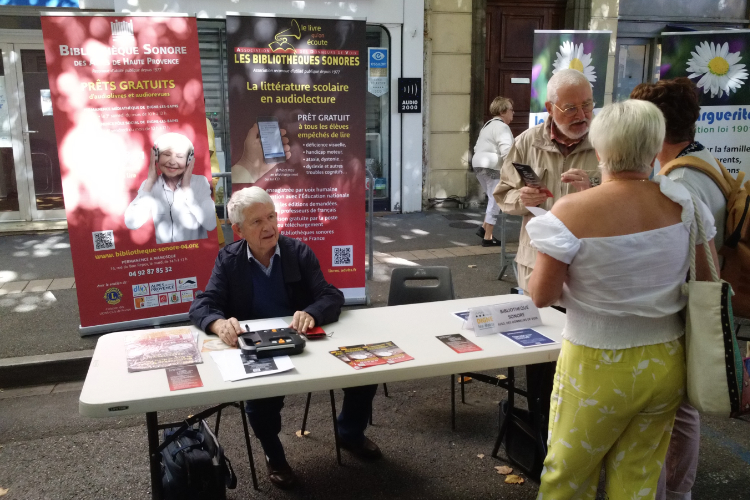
{"type": "Point", "coordinates": [215, 169]}
{"type": "Point", "coordinates": [621, 372]}
{"type": "Point", "coordinates": [267, 275]}
{"type": "Point", "coordinates": [178, 202]}
{"type": "Point", "coordinates": [559, 152]}
{"type": "Point", "coordinates": [493, 144]}
{"type": "Point", "coordinates": [678, 101]}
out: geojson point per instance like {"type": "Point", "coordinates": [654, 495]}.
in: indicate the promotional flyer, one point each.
{"type": "Point", "coordinates": [585, 51]}
{"type": "Point", "coordinates": [130, 123]}
{"type": "Point", "coordinates": [717, 63]}
{"type": "Point", "coordinates": [297, 91]}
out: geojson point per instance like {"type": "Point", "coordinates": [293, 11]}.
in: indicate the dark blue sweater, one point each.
{"type": "Point", "coordinates": [230, 291]}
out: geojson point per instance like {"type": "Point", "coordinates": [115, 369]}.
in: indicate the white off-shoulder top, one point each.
{"type": "Point", "coordinates": [624, 291]}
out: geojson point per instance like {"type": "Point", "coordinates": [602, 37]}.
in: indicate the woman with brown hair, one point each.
{"type": "Point", "coordinates": [678, 101]}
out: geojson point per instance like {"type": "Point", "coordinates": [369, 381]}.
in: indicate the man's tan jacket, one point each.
{"type": "Point", "coordinates": [534, 147]}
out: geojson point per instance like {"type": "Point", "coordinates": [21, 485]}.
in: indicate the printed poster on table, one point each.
{"type": "Point", "coordinates": [297, 90]}
{"type": "Point", "coordinates": [717, 63]}
{"type": "Point", "coordinates": [554, 50]}
{"type": "Point", "coordinates": [127, 97]}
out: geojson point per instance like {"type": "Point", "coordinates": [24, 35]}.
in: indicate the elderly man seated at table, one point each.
{"type": "Point", "coordinates": [267, 275]}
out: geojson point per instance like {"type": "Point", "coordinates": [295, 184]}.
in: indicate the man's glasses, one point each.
{"type": "Point", "coordinates": [571, 111]}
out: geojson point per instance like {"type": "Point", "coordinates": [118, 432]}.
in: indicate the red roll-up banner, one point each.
{"type": "Point", "coordinates": [127, 98]}
{"type": "Point", "coordinates": [303, 80]}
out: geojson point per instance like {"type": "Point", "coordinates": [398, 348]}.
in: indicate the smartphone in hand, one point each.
{"type": "Point", "coordinates": [270, 139]}
{"type": "Point", "coordinates": [531, 179]}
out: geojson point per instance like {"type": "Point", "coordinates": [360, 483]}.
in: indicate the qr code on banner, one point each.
{"type": "Point", "coordinates": [103, 240]}
{"type": "Point", "coordinates": [343, 255]}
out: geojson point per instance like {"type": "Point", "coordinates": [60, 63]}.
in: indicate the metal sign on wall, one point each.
{"type": "Point", "coordinates": [409, 95]}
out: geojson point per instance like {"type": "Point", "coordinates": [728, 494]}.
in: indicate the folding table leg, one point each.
{"type": "Point", "coordinates": [307, 409]}
{"type": "Point", "coordinates": [463, 391]}
{"type": "Point", "coordinates": [453, 402]}
{"type": "Point", "coordinates": [335, 428]}
{"type": "Point", "coordinates": [385, 389]}
{"type": "Point", "coordinates": [247, 444]}
{"type": "Point", "coordinates": [152, 432]}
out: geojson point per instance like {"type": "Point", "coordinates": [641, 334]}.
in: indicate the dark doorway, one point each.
{"type": "Point", "coordinates": [509, 51]}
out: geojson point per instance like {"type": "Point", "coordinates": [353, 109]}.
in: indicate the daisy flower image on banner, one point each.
{"type": "Point", "coordinates": [719, 70]}
{"type": "Point", "coordinates": [572, 56]}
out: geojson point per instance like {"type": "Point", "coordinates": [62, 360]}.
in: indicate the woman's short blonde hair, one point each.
{"type": "Point", "coordinates": [627, 135]}
{"type": "Point", "coordinates": [500, 105]}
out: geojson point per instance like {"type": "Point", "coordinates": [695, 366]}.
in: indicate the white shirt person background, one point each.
{"type": "Point", "coordinates": [178, 202]}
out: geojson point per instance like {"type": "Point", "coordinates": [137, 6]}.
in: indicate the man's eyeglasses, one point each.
{"type": "Point", "coordinates": [586, 107]}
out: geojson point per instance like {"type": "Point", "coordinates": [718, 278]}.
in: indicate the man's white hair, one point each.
{"type": "Point", "coordinates": [564, 78]}
{"type": "Point", "coordinates": [244, 198]}
{"type": "Point", "coordinates": [628, 135]}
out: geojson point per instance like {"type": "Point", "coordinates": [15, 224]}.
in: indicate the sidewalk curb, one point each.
{"type": "Point", "coordinates": [45, 369]}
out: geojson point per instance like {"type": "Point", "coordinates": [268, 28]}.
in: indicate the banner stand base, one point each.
{"type": "Point", "coordinates": [132, 325]}
{"type": "Point", "coordinates": [356, 296]}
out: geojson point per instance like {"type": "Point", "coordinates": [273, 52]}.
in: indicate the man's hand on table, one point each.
{"type": "Point", "coordinates": [227, 330]}
{"type": "Point", "coordinates": [302, 322]}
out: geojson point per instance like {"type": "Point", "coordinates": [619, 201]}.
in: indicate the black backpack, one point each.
{"type": "Point", "coordinates": [193, 465]}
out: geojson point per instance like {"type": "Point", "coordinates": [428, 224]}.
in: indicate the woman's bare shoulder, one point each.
{"type": "Point", "coordinates": [574, 202]}
{"type": "Point", "coordinates": [579, 210]}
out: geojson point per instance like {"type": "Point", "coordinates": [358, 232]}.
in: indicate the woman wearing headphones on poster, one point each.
{"type": "Point", "coordinates": [177, 201]}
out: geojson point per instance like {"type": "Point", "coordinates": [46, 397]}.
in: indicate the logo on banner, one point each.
{"type": "Point", "coordinates": [163, 299]}
{"type": "Point", "coordinates": [187, 283]}
{"type": "Point", "coordinates": [280, 42]}
{"type": "Point", "coordinates": [113, 296]}
{"type": "Point", "coordinates": [122, 29]}
{"type": "Point", "coordinates": [174, 298]}
{"type": "Point", "coordinates": [146, 302]}
{"type": "Point", "coordinates": [162, 287]}
{"type": "Point", "coordinates": [187, 295]}
{"type": "Point", "coordinates": [140, 290]}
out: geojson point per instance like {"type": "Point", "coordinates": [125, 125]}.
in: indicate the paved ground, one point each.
{"type": "Point", "coordinates": [47, 451]}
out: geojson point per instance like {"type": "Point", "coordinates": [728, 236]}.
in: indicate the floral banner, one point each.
{"type": "Point", "coordinates": [586, 51]}
{"type": "Point", "coordinates": [716, 61]}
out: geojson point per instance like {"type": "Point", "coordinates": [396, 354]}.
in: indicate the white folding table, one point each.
{"type": "Point", "coordinates": [110, 391]}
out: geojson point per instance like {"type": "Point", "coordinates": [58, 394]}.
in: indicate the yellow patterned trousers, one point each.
{"type": "Point", "coordinates": [616, 408]}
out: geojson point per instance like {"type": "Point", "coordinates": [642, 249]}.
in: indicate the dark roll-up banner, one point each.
{"type": "Point", "coordinates": [301, 82]}
{"type": "Point", "coordinates": [127, 97]}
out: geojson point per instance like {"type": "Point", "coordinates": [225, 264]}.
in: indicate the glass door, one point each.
{"type": "Point", "coordinates": [14, 199]}
{"type": "Point", "coordinates": [635, 61]}
{"type": "Point", "coordinates": [38, 131]}
{"type": "Point", "coordinates": [30, 179]}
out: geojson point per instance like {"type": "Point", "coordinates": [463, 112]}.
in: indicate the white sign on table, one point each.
{"type": "Point", "coordinates": [498, 318]}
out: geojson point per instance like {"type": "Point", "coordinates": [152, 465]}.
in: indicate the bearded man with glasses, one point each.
{"type": "Point", "coordinates": [559, 152]}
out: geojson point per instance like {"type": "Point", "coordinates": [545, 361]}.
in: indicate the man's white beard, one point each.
{"type": "Point", "coordinates": [565, 129]}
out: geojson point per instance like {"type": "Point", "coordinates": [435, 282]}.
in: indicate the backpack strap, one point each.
{"type": "Point", "coordinates": [722, 180]}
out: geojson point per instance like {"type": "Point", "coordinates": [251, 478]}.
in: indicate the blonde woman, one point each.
{"type": "Point", "coordinates": [616, 256]}
{"type": "Point", "coordinates": [494, 141]}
